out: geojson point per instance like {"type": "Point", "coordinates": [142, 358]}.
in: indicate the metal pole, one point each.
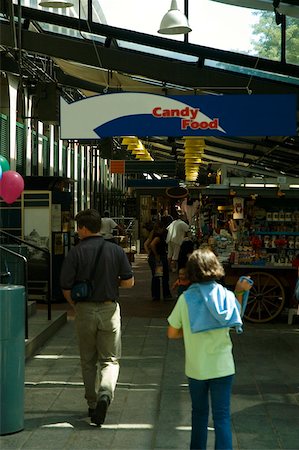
{"type": "Point", "coordinates": [49, 286]}
{"type": "Point", "coordinates": [283, 38]}
{"type": "Point", "coordinates": [89, 11]}
{"type": "Point", "coordinates": [186, 12]}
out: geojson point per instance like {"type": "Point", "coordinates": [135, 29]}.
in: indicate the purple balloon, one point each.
{"type": "Point", "coordinates": [11, 186]}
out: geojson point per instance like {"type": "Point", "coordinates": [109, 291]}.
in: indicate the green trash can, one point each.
{"type": "Point", "coordinates": [12, 358]}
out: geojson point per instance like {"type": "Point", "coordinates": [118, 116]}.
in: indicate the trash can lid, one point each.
{"type": "Point", "coordinates": [10, 287]}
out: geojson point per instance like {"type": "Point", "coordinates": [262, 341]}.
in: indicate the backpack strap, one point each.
{"type": "Point", "coordinates": [93, 272]}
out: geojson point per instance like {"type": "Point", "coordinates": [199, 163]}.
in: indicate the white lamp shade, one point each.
{"type": "Point", "coordinates": [55, 4]}
{"type": "Point", "coordinates": [174, 21]}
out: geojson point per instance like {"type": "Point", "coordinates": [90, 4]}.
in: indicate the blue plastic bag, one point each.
{"type": "Point", "coordinates": [245, 294]}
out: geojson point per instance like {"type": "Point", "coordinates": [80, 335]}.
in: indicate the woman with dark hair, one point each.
{"type": "Point", "coordinates": [203, 316]}
{"type": "Point", "coordinates": [156, 247]}
{"type": "Point", "coordinates": [186, 249]}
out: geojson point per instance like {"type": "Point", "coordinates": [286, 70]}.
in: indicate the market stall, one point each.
{"type": "Point", "coordinates": [265, 247]}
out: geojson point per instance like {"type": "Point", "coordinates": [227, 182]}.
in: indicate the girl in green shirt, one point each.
{"type": "Point", "coordinates": [203, 316]}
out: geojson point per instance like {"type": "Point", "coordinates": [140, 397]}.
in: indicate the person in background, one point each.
{"type": "Point", "coordinates": [176, 232]}
{"type": "Point", "coordinates": [155, 246]}
{"type": "Point", "coordinates": [166, 218]}
{"type": "Point", "coordinates": [181, 283]}
{"type": "Point", "coordinates": [107, 227]}
{"type": "Point", "coordinates": [203, 316]}
{"type": "Point", "coordinates": [186, 248]}
{"type": "Point", "coordinates": [97, 320]}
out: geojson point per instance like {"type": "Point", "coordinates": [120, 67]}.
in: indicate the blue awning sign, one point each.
{"type": "Point", "coordinates": [140, 114]}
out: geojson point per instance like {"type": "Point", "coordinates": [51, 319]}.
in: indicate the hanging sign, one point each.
{"type": "Point", "coordinates": [131, 114]}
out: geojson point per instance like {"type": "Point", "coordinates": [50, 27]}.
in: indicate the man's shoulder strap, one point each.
{"type": "Point", "coordinates": [100, 249]}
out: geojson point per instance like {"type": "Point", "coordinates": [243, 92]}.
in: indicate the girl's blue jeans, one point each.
{"type": "Point", "coordinates": [220, 393]}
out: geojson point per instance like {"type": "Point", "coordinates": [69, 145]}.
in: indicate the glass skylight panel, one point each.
{"type": "Point", "coordinates": [249, 71]}
{"type": "Point", "coordinates": [60, 30]}
{"type": "Point", "coordinates": [157, 51]}
{"type": "Point", "coordinates": [94, 37]}
{"type": "Point", "coordinates": [71, 32]}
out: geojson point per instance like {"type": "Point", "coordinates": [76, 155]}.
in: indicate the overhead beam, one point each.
{"type": "Point", "coordinates": [159, 167]}
{"type": "Point", "coordinates": [150, 66]}
{"type": "Point", "coordinates": [155, 41]}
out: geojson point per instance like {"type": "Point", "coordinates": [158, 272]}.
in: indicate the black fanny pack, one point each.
{"type": "Point", "coordinates": [82, 290]}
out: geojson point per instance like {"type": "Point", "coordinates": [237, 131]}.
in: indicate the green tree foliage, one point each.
{"type": "Point", "coordinates": [267, 41]}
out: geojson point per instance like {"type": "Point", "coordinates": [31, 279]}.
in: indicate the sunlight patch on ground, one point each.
{"type": "Point", "coordinates": [188, 428]}
{"type": "Point", "coordinates": [58, 425]}
{"type": "Point", "coordinates": [55, 357]}
{"type": "Point", "coordinates": [59, 383]}
{"type": "Point", "coordinates": [129, 426]}
{"type": "Point", "coordinates": [133, 358]}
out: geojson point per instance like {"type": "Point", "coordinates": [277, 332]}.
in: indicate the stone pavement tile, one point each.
{"type": "Point", "coordinates": [131, 365]}
{"type": "Point", "coordinates": [90, 438]}
{"type": "Point", "coordinates": [15, 441]}
{"type": "Point", "coordinates": [288, 398]}
{"type": "Point", "coordinates": [34, 368]}
{"type": "Point", "coordinates": [61, 368]}
{"type": "Point", "coordinates": [179, 417]}
{"type": "Point", "coordinates": [76, 376]}
{"type": "Point", "coordinates": [251, 403]}
{"type": "Point", "coordinates": [132, 347]}
{"type": "Point", "coordinates": [276, 410]}
{"type": "Point", "coordinates": [250, 441]}
{"type": "Point", "coordinates": [40, 398]}
{"type": "Point", "coordinates": [149, 371]}
{"type": "Point", "coordinates": [126, 373]}
{"type": "Point", "coordinates": [54, 438]}
{"type": "Point", "coordinates": [245, 387]}
{"type": "Point", "coordinates": [254, 432]}
{"type": "Point", "coordinates": [141, 397]}
{"type": "Point", "coordinates": [70, 401]}
{"type": "Point", "coordinates": [288, 431]}
{"type": "Point", "coordinates": [173, 434]}
{"type": "Point", "coordinates": [113, 416]}
{"type": "Point", "coordinates": [266, 386]}
{"type": "Point", "coordinates": [156, 342]}
{"type": "Point", "coordinates": [129, 437]}
{"type": "Point", "coordinates": [139, 415]}
{"type": "Point", "coordinates": [175, 401]}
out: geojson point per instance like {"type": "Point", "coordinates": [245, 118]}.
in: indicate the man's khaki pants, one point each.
{"type": "Point", "coordinates": [99, 331]}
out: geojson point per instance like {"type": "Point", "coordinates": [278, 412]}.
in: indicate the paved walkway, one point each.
{"type": "Point", "coordinates": [151, 409]}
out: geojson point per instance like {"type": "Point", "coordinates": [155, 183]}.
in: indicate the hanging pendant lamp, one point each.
{"type": "Point", "coordinates": [174, 21]}
{"type": "Point", "coordinates": [56, 4]}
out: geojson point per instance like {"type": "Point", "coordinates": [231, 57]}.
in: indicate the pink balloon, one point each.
{"type": "Point", "coordinates": [11, 186]}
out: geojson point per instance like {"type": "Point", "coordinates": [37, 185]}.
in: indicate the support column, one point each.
{"type": "Point", "coordinates": [13, 83]}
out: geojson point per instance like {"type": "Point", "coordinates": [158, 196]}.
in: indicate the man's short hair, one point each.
{"type": "Point", "coordinates": [89, 218]}
{"type": "Point", "coordinates": [106, 213]}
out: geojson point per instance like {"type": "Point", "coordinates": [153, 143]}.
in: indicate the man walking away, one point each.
{"type": "Point", "coordinates": [107, 227]}
{"type": "Point", "coordinates": [176, 232]}
{"type": "Point", "coordinates": [97, 320]}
